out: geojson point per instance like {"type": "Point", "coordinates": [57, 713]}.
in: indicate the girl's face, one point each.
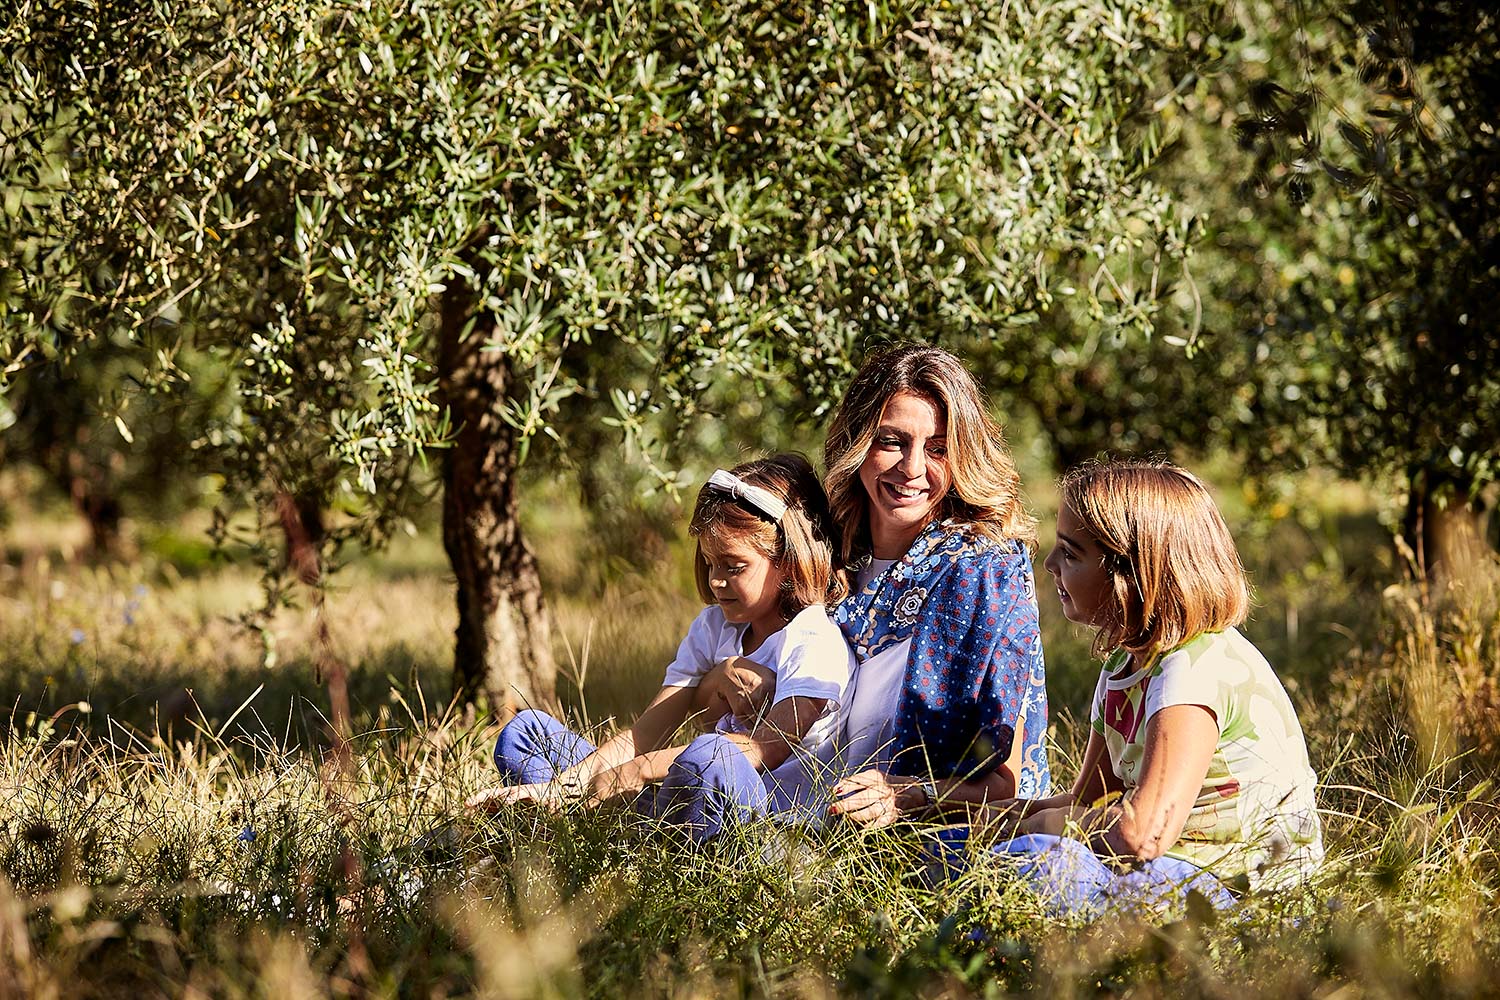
{"type": "Point", "coordinates": [745, 582]}
{"type": "Point", "coordinates": [905, 473]}
{"type": "Point", "coordinates": [1076, 563]}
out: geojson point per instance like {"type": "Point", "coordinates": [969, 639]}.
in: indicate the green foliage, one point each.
{"type": "Point", "coordinates": [1370, 264]}
{"type": "Point", "coordinates": [114, 446]}
{"type": "Point", "coordinates": [646, 198]}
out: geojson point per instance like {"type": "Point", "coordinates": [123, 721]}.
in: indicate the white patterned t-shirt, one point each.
{"type": "Point", "coordinates": [810, 660]}
{"type": "Point", "coordinates": [1255, 814]}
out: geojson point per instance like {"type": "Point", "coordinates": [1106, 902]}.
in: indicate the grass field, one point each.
{"type": "Point", "coordinates": [187, 830]}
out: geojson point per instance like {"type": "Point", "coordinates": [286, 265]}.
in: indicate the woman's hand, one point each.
{"type": "Point", "coordinates": [544, 793]}
{"type": "Point", "coordinates": [875, 799]}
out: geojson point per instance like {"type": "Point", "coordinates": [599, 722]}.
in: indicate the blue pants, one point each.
{"type": "Point", "coordinates": [710, 785]}
{"type": "Point", "coordinates": [1074, 881]}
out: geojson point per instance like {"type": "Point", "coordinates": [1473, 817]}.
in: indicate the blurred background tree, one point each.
{"type": "Point", "coordinates": [1358, 266]}
{"type": "Point", "coordinates": [62, 423]}
{"type": "Point", "coordinates": [497, 230]}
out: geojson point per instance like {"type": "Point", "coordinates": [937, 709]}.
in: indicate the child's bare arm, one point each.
{"type": "Point", "coordinates": [668, 710]}
{"type": "Point", "coordinates": [709, 699]}
{"type": "Point", "coordinates": [772, 738]}
{"type": "Point", "coordinates": [630, 777]}
{"type": "Point", "coordinates": [738, 686]}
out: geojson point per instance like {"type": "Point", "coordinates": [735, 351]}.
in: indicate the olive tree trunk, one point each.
{"type": "Point", "coordinates": [1449, 530]}
{"type": "Point", "coordinates": [503, 650]}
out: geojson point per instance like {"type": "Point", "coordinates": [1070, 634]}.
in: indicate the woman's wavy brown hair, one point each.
{"type": "Point", "coordinates": [1174, 570]}
{"type": "Point", "coordinates": [986, 489]}
{"type": "Point", "coordinates": [803, 545]}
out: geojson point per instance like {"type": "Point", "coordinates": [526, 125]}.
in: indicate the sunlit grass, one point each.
{"type": "Point", "coordinates": [191, 828]}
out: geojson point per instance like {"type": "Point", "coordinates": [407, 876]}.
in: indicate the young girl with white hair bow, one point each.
{"type": "Point", "coordinates": [765, 570]}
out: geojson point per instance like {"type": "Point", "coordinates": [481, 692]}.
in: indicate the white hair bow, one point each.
{"type": "Point", "coordinates": [758, 497]}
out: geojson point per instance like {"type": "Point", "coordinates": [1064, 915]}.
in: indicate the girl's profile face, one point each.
{"type": "Point", "coordinates": [745, 582]}
{"type": "Point", "coordinates": [1076, 563]}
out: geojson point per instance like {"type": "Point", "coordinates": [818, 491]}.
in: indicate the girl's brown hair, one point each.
{"type": "Point", "coordinates": [986, 489]}
{"type": "Point", "coordinates": [802, 544]}
{"type": "Point", "coordinates": [1175, 572]}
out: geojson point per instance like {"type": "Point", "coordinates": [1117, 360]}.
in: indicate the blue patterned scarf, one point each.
{"type": "Point", "coordinates": [968, 605]}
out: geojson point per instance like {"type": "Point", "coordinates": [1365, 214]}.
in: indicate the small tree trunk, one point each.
{"type": "Point", "coordinates": [1449, 530]}
{"type": "Point", "coordinates": [103, 515]}
{"type": "Point", "coordinates": [88, 486]}
{"type": "Point", "coordinates": [301, 518]}
{"type": "Point", "coordinates": [504, 635]}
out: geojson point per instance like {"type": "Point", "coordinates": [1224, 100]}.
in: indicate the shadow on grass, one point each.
{"type": "Point", "coordinates": [238, 701]}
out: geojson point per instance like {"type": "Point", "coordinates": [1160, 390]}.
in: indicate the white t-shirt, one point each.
{"type": "Point", "coordinates": [810, 660]}
{"type": "Point", "coordinates": [870, 720]}
{"type": "Point", "coordinates": [1255, 813]}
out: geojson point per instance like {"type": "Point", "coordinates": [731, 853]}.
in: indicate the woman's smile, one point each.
{"type": "Point", "coordinates": [902, 494]}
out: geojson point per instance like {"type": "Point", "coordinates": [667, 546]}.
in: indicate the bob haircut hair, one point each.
{"type": "Point", "coordinates": [986, 488]}
{"type": "Point", "coordinates": [803, 545]}
{"type": "Point", "coordinates": [1174, 571]}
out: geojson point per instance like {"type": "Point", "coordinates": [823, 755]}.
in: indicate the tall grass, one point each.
{"type": "Point", "coordinates": [189, 830]}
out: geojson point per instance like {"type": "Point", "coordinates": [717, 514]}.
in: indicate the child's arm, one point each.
{"type": "Point", "coordinates": [1148, 819]}
{"type": "Point", "coordinates": [770, 743]}
{"type": "Point", "coordinates": [1094, 781]}
{"type": "Point", "coordinates": [708, 699]}
{"type": "Point", "coordinates": [633, 775]}
{"type": "Point", "coordinates": [667, 711]}
{"type": "Point", "coordinates": [736, 686]}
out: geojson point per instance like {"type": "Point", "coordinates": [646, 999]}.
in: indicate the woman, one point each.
{"type": "Point", "coordinates": [949, 701]}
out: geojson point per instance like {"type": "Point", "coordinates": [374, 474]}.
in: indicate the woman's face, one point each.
{"type": "Point", "coordinates": [1076, 563]}
{"type": "Point", "coordinates": [905, 473]}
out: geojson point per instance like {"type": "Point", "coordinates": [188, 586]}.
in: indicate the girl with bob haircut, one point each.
{"type": "Point", "coordinates": [949, 700]}
{"type": "Point", "coordinates": [1196, 774]}
{"type": "Point", "coordinates": [762, 666]}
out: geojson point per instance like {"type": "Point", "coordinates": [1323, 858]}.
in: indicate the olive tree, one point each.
{"type": "Point", "coordinates": [1360, 259]}
{"type": "Point", "coordinates": [493, 231]}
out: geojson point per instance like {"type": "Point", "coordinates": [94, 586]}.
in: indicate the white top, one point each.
{"type": "Point", "coordinates": [869, 723]}
{"type": "Point", "coordinates": [1255, 813]}
{"type": "Point", "coordinates": [810, 660]}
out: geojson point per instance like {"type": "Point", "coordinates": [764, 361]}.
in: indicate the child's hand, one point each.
{"type": "Point", "coordinates": [1000, 818]}
{"type": "Point", "coordinates": [490, 800]}
{"type": "Point", "coordinates": [748, 687]}
{"type": "Point", "coordinates": [734, 686]}
{"type": "Point", "coordinates": [617, 783]}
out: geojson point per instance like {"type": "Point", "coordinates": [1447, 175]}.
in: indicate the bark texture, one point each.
{"type": "Point", "coordinates": [90, 484]}
{"type": "Point", "coordinates": [503, 649]}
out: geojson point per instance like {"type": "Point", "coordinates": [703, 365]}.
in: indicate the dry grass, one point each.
{"type": "Point", "coordinates": [192, 835]}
